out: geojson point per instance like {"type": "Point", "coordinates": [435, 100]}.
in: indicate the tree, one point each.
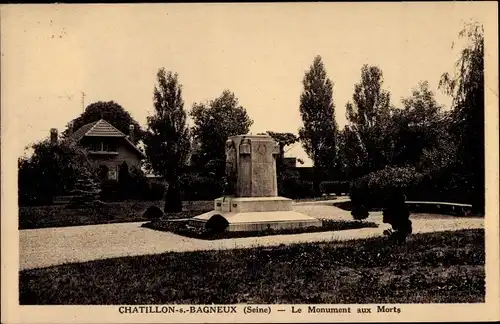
{"type": "Point", "coordinates": [318, 116]}
{"type": "Point", "coordinates": [351, 153]}
{"type": "Point", "coordinates": [86, 192]}
{"type": "Point", "coordinates": [284, 140]}
{"type": "Point", "coordinates": [167, 140]}
{"type": "Point", "coordinates": [417, 127]}
{"type": "Point", "coordinates": [214, 122]}
{"type": "Point", "coordinates": [53, 169]}
{"type": "Point", "coordinates": [113, 113]}
{"type": "Point", "coordinates": [369, 119]}
{"type": "Point", "coordinates": [443, 153]}
{"type": "Point", "coordinates": [466, 86]}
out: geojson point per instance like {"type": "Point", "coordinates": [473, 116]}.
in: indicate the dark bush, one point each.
{"type": "Point", "coordinates": [216, 224]}
{"type": "Point", "coordinates": [153, 212]}
{"type": "Point", "coordinates": [359, 212]}
{"type": "Point", "coordinates": [336, 187]}
{"type": "Point", "coordinates": [195, 186]}
{"type": "Point", "coordinates": [371, 191]}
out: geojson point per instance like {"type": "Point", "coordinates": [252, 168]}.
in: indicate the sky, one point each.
{"type": "Point", "coordinates": [53, 53]}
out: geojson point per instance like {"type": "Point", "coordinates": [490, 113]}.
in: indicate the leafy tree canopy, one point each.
{"type": "Point", "coordinates": [466, 86]}
{"type": "Point", "coordinates": [317, 110]}
{"type": "Point", "coordinates": [369, 120]}
{"type": "Point", "coordinates": [214, 122]}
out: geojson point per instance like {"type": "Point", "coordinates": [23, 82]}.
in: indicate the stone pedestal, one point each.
{"type": "Point", "coordinates": [253, 203]}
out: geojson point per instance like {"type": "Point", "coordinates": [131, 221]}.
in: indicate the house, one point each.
{"type": "Point", "coordinates": [108, 148]}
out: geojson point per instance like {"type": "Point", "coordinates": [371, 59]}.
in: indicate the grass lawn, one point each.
{"type": "Point", "coordinates": [444, 267]}
{"type": "Point", "coordinates": [112, 212]}
{"type": "Point", "coordinates": [182, 228]}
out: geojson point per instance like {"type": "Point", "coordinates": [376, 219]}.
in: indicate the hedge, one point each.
{"type": "Point", "coordinates": [372, 190]}
{"type": "Point", "coordinates": [296, 189]}
{"type": "Point", "coordinates": [195, 186]}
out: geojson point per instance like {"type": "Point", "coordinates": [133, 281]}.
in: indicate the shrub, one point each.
{"type": "Point", "coordinates": [195, 186]}
{"type": "Point", "coordinates": [396, 214]}
{"type": "Point", "coordinates": [360, 212]}
{"type": "Point", "coordinates": [153, 212]}
{"type": "Point", "coordinates": [372, 190]}
{"type": "Point", "coordinates": [337, 187]}
{"type": "Point", "coordinates": [216, 224]}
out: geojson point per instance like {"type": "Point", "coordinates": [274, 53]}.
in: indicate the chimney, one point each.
{"type": "Point", "coordinates": [131, 133]}
{"type": "Point", "coordinates": [53, 136]}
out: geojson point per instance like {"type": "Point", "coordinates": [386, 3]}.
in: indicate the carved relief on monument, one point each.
{"type": "Point", "coordinates": [263, 173]}
{"type": "Point", "coordinates": [245, 168]}
{"type": "Point", "coordinates": [231, 168]}
{"type": "Point", "coordinates": [276, 153]}
{"type": "Point", "coordinates": [245, 146]}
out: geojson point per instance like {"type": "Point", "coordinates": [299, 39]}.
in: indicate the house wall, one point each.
{"type": "Point", "coordinates": [113, 162]}
{"type": "Point", "coordinates": [125, 154]}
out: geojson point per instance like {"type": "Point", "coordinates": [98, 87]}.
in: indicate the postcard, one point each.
{"type": "Point", "coordinates": [250, 162]}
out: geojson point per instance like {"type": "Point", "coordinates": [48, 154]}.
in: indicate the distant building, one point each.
{"type": "Point", "coordinates": [108, 148]}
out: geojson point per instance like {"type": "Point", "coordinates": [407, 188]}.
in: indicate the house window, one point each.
{"type": "Point", "coordinates": [103, 146]}
{"type": "Point", "coordinates": [108, 146]}
{"type": "Point", "coordinates": [95, 146]}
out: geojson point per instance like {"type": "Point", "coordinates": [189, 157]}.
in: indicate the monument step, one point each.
{"type": "Point", "coordinates": [252, 204]}
{"type": "Point", "coordinates": [259, 221]}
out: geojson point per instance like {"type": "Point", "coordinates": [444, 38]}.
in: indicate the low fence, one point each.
{"type": "Point", "coordinates": [440, 207]}
{"type": "Point", "coordinates": [432, 207]}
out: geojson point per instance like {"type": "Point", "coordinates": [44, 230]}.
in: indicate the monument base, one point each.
{"type": "Point", "coordinates": [256, 214]}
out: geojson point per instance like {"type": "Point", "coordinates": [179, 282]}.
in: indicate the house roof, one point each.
{"type": "Point", "coordinates": [82, 131]}
{"type": "Point", "coordinates": [98, 128]}
{"type": "Point", "coordinates": [102, 128]}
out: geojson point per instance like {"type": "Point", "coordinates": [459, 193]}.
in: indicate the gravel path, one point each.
{"type": "Point", "coordinates": [52, 246]}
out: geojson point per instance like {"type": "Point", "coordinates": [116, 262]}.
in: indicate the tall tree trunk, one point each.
{"type": "Point", "coordinates": [173, 199]}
